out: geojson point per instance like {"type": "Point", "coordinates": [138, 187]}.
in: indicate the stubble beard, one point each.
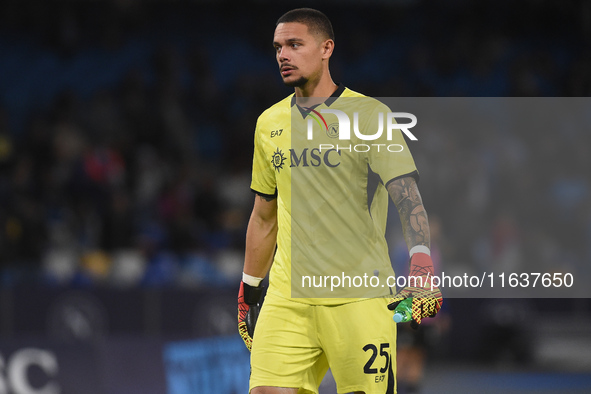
{"type": "Point", "coordinates": [298, 83]}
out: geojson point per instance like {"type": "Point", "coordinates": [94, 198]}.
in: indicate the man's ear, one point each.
{"type": "Point", "coordinates": [327, 48]}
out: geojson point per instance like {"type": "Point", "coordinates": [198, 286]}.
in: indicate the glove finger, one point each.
{"type": "Point", "coordinates": [417, 309]}
{"type": "Point", "coordinates": [436, 308]}
{"type": "Point", "coordinates": [394, 304]}
{"type": "Point", "coordinates": [243, 330]}
{"type": "Point", "coordinates": [428, 307]}
{"type": "Point", "coordinates": [414, 325]}
{"type": "Point", "coordinates": [398, 298]}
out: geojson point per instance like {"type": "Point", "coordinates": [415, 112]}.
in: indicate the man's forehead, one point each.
{"type": "Point", "coordinates": [289, 30]}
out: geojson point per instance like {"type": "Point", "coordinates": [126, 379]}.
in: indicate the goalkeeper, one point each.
{"type": "Point", "coordinates": [322, 212]}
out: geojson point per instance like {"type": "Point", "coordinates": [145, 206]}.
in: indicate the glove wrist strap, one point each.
{"type": "Point", "coordinates": [252, 295]}
{"type": "Point", "coordinates": [251, 280]}
{"type": "Point", "coordinates": [419, 249]}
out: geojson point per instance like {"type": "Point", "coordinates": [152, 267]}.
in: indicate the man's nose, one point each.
{"type": "Point", "coordinates": [283, 55]}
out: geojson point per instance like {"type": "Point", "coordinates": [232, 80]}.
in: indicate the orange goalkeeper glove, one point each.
{"type": "Point", "coordinates": [426, 299]}
{"type": "Point", "coordinates": [249, 306]}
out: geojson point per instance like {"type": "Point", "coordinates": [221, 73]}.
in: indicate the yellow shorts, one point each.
{"type": "Point", "coordinates": [294, 344]}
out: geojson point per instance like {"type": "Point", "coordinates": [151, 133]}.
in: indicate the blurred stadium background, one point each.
{"type": "Point", "coordinates": [125, 153]}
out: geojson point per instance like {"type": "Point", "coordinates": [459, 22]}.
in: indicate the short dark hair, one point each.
{"type": "Point", "coordinates": [317, 22]}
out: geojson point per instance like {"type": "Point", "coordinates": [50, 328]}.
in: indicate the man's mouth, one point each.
{"type": "Point", "coordinates": [286, 70]}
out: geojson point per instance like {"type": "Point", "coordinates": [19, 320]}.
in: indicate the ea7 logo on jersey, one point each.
{"type": "Point", "coordinates": [276, 133]}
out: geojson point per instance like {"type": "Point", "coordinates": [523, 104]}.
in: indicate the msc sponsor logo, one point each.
{"type": "Point", "coordinates": [307, 157]}
{"type": "Point", "coordinates": [315, 157]}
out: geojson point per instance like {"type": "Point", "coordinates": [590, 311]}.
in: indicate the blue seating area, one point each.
{"type": "Point", "coordinates": [127, 131]}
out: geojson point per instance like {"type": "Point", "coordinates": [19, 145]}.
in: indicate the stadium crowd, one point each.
{"type": "Point", "coordinates": [126, 132]}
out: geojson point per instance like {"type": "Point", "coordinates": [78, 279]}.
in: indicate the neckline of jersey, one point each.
{"type": "Point", "coordinates": [329, 101]}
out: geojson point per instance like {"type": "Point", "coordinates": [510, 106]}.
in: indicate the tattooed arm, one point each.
{"type": "Point", "coordinates": [426, 298]}
{"type": "Point", "coordinates": [261, 236]}
{"type": "Point", "coordinates": [415, 225]}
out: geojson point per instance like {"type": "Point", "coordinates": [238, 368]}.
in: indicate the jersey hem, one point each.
{"type": "Point", "coordinates": [414, 174]}
{"type": "Point", "coordinates": [264, 194]}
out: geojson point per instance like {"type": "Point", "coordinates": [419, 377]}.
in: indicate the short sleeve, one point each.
{"type": "Point", "coordinates": [391, 159]}
{"type": "Point", "coordinates": [263, 175]}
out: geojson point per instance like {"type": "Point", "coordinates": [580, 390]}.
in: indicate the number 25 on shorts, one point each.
{"type": "Point", "coordinates": [371, 366]}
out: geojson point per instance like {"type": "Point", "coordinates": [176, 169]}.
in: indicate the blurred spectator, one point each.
{"type": "Point", "coordinates": [126, 129]}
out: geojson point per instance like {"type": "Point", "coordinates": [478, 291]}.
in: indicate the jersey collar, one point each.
{"type": "Point", "coordinates": [336, 94]}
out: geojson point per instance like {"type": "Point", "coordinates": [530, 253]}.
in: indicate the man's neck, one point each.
{"type": "Point", "coordinates": [324, 88]}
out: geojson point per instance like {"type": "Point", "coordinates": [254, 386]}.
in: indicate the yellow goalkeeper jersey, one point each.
{"type": "Point", "coordinates": [330, 183]}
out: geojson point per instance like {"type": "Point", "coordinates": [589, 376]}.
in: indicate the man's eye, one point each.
{"type": "Point", "coordinates": [295, 45]}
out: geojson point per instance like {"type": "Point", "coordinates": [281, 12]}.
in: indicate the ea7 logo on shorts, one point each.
{"type": "Point", "coordinates": [344, 125]}
{"type": "Point", "coordinates": [276, 133]}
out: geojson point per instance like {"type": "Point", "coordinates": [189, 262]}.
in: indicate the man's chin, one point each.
{"type": "Point", "coordinates": [295, 83]}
